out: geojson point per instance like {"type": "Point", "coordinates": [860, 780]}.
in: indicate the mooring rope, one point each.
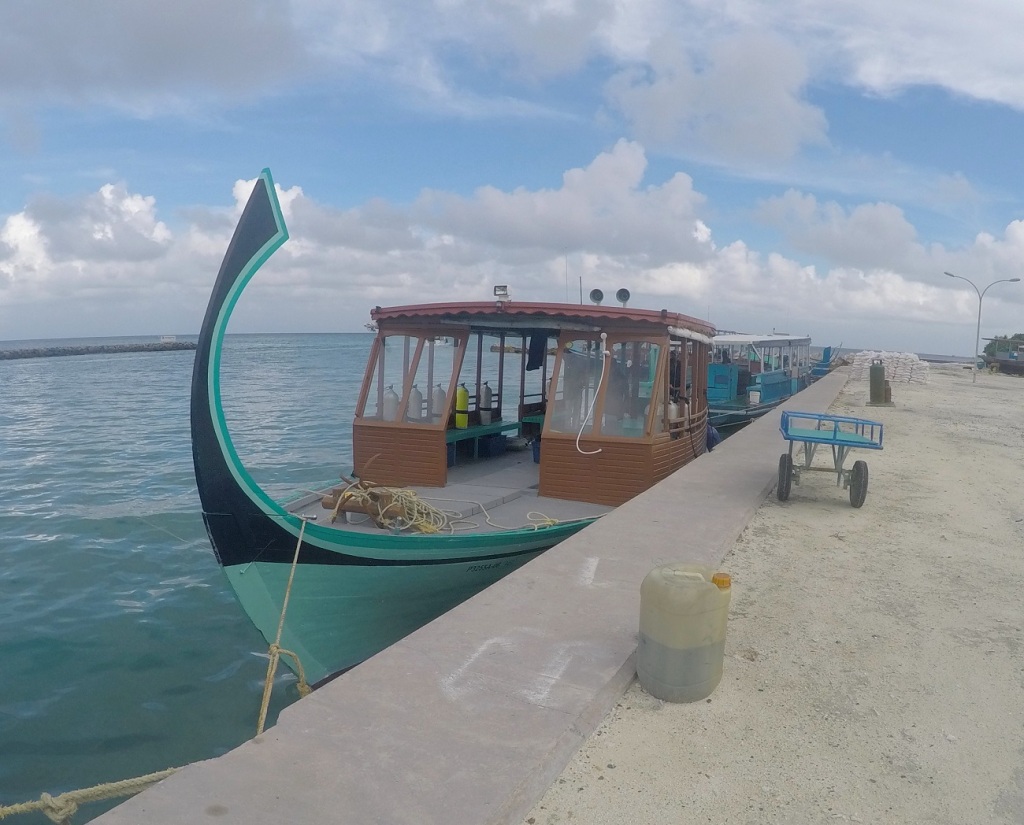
{"type": "Point", "coordinates": [61, 808]}
{"type": "Point", "coordinates": [275, 648]}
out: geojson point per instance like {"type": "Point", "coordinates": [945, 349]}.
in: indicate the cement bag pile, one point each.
{"type": "Point", "coordinates": [900, 367]}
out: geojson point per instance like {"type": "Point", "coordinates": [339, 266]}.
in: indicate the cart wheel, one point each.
{"type": "Point", "coordinates": [785, 477]}
{"type": "Point", "coordinates": [858, 483]}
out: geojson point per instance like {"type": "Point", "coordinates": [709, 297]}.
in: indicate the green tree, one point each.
{"type": "Point", "coordinates": [1002, 343]}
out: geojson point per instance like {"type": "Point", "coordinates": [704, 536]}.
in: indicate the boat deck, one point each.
{"type": "Point", "coordinates": [483, 495]}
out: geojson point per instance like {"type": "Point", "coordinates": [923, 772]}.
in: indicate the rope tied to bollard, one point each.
{"type": "Point", "coordinates": [61, 808]}
{"type": "Point", "coordinates": [275, 648]}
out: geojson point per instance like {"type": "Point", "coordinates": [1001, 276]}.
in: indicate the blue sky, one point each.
{"type": "Point", "coordinates": [813, 166]}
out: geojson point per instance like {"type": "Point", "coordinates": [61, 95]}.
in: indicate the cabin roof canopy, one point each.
{"type": "Point", "coordinates": [529, 316]}
{"type": "Point", "coordinates": [772, 339]}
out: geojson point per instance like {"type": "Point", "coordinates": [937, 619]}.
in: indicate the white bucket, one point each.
{"type": "Point", "coordinates": [754, 396]}
{"type": "Point", "coordinates": [684, 609]}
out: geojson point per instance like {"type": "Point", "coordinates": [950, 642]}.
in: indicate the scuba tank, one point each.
{"type": "Point", "coordinates": [415, 404]}
{"type": "Point", "coordinates": [484, 404]}
{"type": "Point", "coordinates": [461, 407]}
{"type": "Point", "coordinates": [390, 403]}
{"type": "Point", "coordinates": [438, 402]}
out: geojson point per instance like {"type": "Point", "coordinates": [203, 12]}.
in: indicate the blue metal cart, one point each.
{"type": "Point", "coordinates": [839, 432]}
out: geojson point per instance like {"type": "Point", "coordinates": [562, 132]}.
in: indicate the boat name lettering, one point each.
{"type": "Point", "coordinates": [478, 567]}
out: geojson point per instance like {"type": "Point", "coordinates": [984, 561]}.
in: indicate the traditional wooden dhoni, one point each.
{"type": "Point", "coordinates": [485, 433]}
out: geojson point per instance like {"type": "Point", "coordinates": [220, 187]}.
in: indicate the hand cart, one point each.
{"type": "Point", "coordinates": [842, 434]}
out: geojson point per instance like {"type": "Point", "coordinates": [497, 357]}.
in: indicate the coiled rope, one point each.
{"type": "Point", "coordinates": [61, 808]}
{"type": "Point", "coordinates": [398, 508]}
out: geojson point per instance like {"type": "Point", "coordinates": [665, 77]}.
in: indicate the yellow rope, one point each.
{"type": "Point", "coordinates": [275, 648]}
{"type": "Point", "coordinates": [536, 521]}
{"type": "Point", "coordinates": [405, 509]}
{"type": "Point", "coordinates": [60, 808]}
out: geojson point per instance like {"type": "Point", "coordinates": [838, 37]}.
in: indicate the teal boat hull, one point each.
{"type": "Point", "coordinates": [341, 615]}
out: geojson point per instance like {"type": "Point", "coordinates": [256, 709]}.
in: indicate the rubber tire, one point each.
{"type": "Point", "coordinates": [785, 477]}
{"type": "Point", "coordinates": [858, 483]}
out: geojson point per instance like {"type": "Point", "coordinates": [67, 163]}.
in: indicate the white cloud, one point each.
{"type": "Point", "coordinates": [962, 47]}
{"type": "Point", "coordinates": [735, 107]}
{"type": "Point", "coordinates": [601, 208]}
{"type": "Point", "coordinates": [108, 225]}
{"type": "Point", "coordinates": [867, 236]}
{"type": "Point", "coordinates": [604, 226]}
{"type": "Point", "coordinates": [747, 55]}
{"type": "Point", "coordinates": [135, 56]}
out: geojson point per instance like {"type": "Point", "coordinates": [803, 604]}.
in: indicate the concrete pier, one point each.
{"type": "Point", "coordinates": [471, 718]}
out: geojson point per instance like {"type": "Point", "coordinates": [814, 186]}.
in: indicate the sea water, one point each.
{"type": "Point", "coordinates": [122, 649]}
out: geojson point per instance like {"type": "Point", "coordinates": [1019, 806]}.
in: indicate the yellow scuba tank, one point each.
{"type": "Point", "coordinates": [462, 407]}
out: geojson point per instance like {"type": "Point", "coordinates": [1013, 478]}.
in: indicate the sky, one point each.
{"type": "Point", "coordinates": [811, 167]}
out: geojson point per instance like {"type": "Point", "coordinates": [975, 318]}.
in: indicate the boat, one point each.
{"type": "Point", "coordinates": [828, 361]}
{"type": "Point", "coordinates": [1007, 357]}
{"type": "Point", "coordinates": [467, 463]}
{"type": "Point", "coordinates": [752, 374]}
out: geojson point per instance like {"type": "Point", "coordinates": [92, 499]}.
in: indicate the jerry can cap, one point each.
{"type": "Point", "coordinates": [723, 581]}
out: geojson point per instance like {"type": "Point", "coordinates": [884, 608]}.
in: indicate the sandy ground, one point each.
{"type": "Point", "coordinates": [874, 666]}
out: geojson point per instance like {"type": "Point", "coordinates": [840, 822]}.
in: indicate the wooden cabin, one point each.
{"type": "Point", "coordinates": [616, 397]}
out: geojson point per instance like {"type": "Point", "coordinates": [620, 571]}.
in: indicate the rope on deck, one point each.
{"type": "Point", "coordinates": [61, 808]}
{"type": "Point", "coordinates": [398, 508]}
{"type": "Point", "coordinates": [395, 508]}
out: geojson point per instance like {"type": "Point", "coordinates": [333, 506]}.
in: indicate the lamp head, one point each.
{"type": "Point", "coordinates": [1014, 280]}
{"type": "Point", "coordinates": [950, 274]}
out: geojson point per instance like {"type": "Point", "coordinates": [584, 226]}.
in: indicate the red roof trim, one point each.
{"type": "Point", "coordinates": [520, 310]}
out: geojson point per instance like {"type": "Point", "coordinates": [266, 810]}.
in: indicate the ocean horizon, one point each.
{"type": "Point", "coordinates": [34, 343]}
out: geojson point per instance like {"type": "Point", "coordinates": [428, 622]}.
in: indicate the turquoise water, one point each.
{"type": "Point", "coordinates": [122, 650]}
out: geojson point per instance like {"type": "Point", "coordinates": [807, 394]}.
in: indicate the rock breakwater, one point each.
{"type": "Point", "coordinates": [93, 349]}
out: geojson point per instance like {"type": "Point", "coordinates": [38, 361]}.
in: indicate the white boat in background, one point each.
{"type": "Point", "coordinates": [751, 374]}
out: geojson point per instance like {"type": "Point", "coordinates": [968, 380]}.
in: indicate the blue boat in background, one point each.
{"type": "Point", "coordinates": [752, 374]}
{"type": "Point", "coordinates": [824, 365]}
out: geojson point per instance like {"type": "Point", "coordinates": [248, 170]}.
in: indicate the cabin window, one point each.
{"type": "Point", "coordinates": [632, 386]}
{"type": "Point", "coordinates": [609, 397]}
{"type": "Point", "coordinates": [410, 379]}
{"type": "Point", "coordinates": [575, 383]}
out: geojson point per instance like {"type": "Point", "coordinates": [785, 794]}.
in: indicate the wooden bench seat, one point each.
{"type": "Point", "coordinates": [477, 431]}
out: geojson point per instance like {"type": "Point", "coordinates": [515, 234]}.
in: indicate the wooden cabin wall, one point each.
{"type": "Point", "coordinates": [669, 454]}
{"type": "Point", "coordinates": [619, 472]}
{"type": "Point", "coordinates": [623, 469]}
{"type": "Point", "coordinates": [405, 454]}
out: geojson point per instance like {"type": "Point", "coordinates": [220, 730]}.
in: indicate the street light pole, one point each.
{"type": "Point", "coordinates": [981, 296]}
